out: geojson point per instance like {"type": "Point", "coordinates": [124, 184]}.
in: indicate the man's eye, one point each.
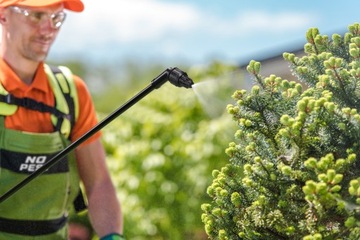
{"type": "Point", "coordinates": [37, 16]}
{"type": "Point", "coordinates": [57, 17]}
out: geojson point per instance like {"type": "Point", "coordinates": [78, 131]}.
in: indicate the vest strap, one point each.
{"type": "Point", "coordinates": [33, 227]}
{"type": "Point", "coordinates": [31, 104]}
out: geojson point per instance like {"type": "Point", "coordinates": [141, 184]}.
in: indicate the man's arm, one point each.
{"type": "Point", "coordinates": [104, 208]}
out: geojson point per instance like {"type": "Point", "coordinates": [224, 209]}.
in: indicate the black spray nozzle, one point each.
{"type": "Point", "coordinates": [179, 78]}
{"type": "Point", "coordinates": [176, 76]}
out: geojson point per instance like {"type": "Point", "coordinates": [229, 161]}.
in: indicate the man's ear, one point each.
{"type": "Point", "coordinates": [2, 16]}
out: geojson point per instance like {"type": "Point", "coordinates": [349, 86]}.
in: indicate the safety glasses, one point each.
{"type": "Point", "coordinates": [38, 17]}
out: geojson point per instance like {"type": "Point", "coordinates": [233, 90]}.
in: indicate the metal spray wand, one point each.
{"type": "Point", "coordinates": [176, 76]}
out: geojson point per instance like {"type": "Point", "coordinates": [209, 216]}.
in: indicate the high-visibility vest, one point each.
{"type": "Point", "coordinates": [41, 207]}
{"type": "Point", "coordinates": [66, 110]}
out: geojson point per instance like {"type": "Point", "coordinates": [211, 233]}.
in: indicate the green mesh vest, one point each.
{"type": "Point", "coordinates": [38, 210]}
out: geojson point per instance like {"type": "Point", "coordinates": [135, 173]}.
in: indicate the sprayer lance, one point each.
{"type": "Point", "coordinates": [176, 76]}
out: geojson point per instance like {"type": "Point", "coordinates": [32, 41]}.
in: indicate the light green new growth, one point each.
{"type": "Point", "coordinates": [294, 170]}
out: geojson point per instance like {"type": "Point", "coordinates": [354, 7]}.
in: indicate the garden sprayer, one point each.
{"type": "Point", "coordinates": [176, 76]}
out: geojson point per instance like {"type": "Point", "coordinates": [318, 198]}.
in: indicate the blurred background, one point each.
{"type": "Point", "coordinates": [162, 151]}
{"type": "Point", "coordinates": [194, 32]}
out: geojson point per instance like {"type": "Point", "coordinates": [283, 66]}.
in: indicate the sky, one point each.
{"type": "Point", "coordinates": [196, 31]}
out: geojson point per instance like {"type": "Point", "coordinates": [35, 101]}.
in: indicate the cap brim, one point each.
{"type": "Point", "coordinates": [72, 5]}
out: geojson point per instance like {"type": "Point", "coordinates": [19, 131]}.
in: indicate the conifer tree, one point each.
{"type": "Point", "coordinates": [294, 167]}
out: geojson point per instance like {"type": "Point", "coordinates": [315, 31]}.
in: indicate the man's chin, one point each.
{"type": "Point", "coordinates": [40, 56]}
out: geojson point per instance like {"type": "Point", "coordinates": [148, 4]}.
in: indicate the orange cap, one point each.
{"type": "Point", "coordinates": [73, 5]}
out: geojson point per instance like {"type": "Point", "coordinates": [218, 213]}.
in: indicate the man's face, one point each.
{"type": "Point", "coordinates": [30, 32]}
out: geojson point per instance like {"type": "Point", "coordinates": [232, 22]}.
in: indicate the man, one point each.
{"type": "Point", "coordinates": [34, 125]}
